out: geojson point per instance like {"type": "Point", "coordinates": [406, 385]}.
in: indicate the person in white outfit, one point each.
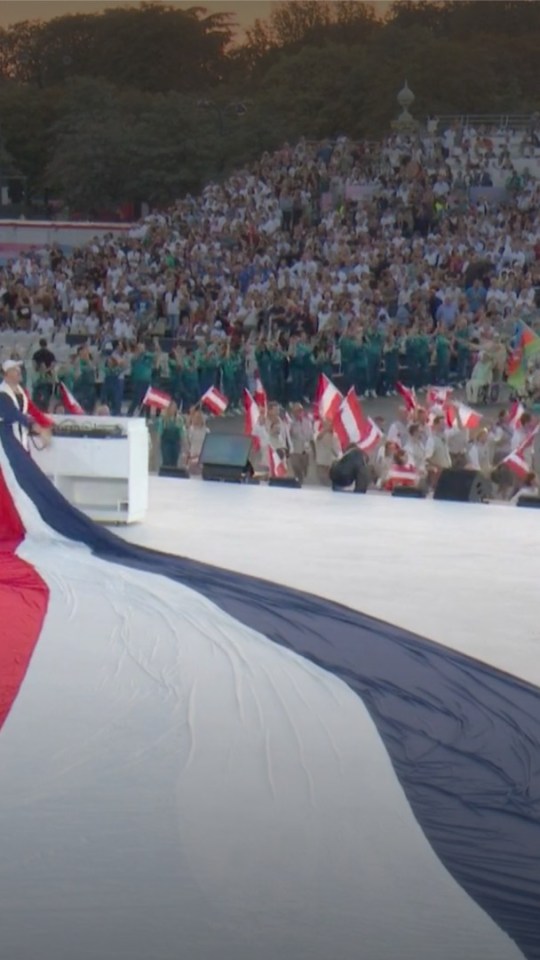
{"type": "Point", "coordinates": [479, 454]}
{"type": "Point", "coordinates": [326, 451]}
{"type": "Point", "coordinates": [14, 405]}
{"type": "Point", "coordinates": [398, 431]}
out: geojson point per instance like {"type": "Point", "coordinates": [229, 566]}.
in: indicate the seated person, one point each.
{"type": "Point", "coordinates": [352, 468]}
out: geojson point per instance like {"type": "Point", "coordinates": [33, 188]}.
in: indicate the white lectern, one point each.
{"type": "Point", "coordinates": [100, 465]}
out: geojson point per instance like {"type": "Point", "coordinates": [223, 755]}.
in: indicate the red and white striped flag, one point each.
{"type": "Point", "coordinates": [438, 396]}
{"type": "Point", "coordinates": [409, 397]}
{"type": "Point", "coordinates": [528, 441]}
{"type": "Point", "coordinates": [470, 419]}
{"type": "Point", "coordinates": [278, 467]}
{"type": "Point", "coordinates": [259, 394]}
{"type": "Point", "coordinates": [327, 398]}
{"type": "Point", "coordinates": [70, 404]}
{"type": "Point", "coordinates": [348, 420]}
{"type": "Point", "coordinates": [37, 415]}
{"type": "Point", "coordinates": [157, 399]}
{"type": "Point", "coordinates": [252, 414]}
{"type": "Point", "coordinates": [371, 436]}
{"type": "Point", "coordinates": [515, 413]}
{"type": "Point", "coordinates": [351, 426]}
{"type": "Point", "coordinates": [215, 401]}
{"type": "Point", "coordinates": [402, 475]}
{"type": "Point", "coordinates": [517, 464]}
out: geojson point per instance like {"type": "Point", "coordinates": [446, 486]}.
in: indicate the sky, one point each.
{"type": "Point", "coordinates": [246, 11]}
{"type": "Point", "coordinates": [13, 11]}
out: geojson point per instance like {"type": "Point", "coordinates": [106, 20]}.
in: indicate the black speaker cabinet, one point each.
{"type": "Point", "coordinates": [179, 472]}
{"type": "Point", "coordinates": [225, 458]}
{"type": "Point", "coordinates": [413, 492]}
{"type": "Point", "coordinates": [529, 501]}
{"type": "Point", "coordinates": [463, 486]}
{"type": "Point", "coordinates": [284, 482]}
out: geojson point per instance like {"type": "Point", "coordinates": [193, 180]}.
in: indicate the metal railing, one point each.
{"type": "Point", "coordinates": [505, 121]}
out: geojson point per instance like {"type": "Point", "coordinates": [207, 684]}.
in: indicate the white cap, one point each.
{"type": "Point", "coordinates": [10, 365]}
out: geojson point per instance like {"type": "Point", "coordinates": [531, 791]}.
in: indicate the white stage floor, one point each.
{"type": "Point", "coordinates": [201, 767]}
{"type": "Point", "coordinates": [464, 575]}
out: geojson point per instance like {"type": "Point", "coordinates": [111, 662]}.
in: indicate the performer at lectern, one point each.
{"type": "Point", "coordinates": [351, 469]}
{"type": "Point", "coordinates": [14, 405]}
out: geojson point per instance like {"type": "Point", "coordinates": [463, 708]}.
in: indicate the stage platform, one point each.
{"type": "Point", "coordinates": [463, 575]}
{"type": "Point", "coordinates": [308, 729]}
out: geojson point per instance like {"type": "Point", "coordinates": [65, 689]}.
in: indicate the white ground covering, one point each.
{"type": "Point", "coordinates": [175, 786]}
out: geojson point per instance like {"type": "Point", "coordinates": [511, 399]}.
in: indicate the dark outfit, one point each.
{"type": "Point", "coordinates": [352, 468]}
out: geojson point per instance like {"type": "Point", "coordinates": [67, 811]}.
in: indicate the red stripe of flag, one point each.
{"type": "Point", "coordinates": [24, 597]}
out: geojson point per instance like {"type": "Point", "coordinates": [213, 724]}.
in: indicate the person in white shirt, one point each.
{"type": "Point", "coordinates": [326, 451]}
{"type": "Point", "coordinates": [438, 458]}
{"type": "Point", "coordinates": [398, 432]}
{"type": "Point", "coordinates": [415, 450]}
{"type": "Point", "coordinates": [479, 454]}
{"type": "Point", "coordinates": [521, 431]}
{"type": "Point", "coordinates": [458, 441]}
{"type": "Point", "coordinates": [45, 325]}
{"type": "Point", "coordinates": [301, 440]}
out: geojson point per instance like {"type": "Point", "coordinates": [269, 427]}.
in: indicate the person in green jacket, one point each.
{"type": "Point", "coordinates": [296, 389]}
{"type": "Point", "coordinates": [462, 350]}
{"type": "Point", "coordinates": [264, 366]}
{"type": "Point", "coordinates": [171, 432]}
{"type": "Point", "coordinates": [442, 358]}
{"type": "Point", "coordinates": [42, 388]}
{"type": "Point", "coordinates": [207, 364]}
{"type": "Point", "coordinates": [424, 343]}
{"type": "Point", "coordinates": [373, 344]}
{"type": "Point", "coordinates": [84, 385]}
{"type": "Point", "coordinates": [360, 365]}
{"type": "Point", "coordinates": [390, 363]}
{"type": "Point", "coordinates": [277, 367]}
{"type": "Point", "coordinates": [66, 372]}
{"type": "Point", "coordinates": [322, 362]}
{"type": "Point", "coordinates": [347, 348]}
{"type": "Point", "coordinates": [190, 389]}
{"type": "Point", "coordinates": [232, 369]}
{"type": "Point", "coordinates": [142, 365]}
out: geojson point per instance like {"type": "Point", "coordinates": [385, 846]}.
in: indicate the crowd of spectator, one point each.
{"type": "Point", "coordinates": [370, 263]}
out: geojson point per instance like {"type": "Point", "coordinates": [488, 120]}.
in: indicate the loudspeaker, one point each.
{"type": "Point", "coordinates": [529, 501]}
{"type": "Point", "coordinates": [225, 457]}
{"type": "Point", "coordinates": [179, 472]}
{"type": "Point", "coordinates": [464, 486]}
{"type": "Point", "coordinates": [413, 492]}
{"type": "Point", "coordinates": [284, 482]}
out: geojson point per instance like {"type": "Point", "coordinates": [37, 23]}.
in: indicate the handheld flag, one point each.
{"type": "Point", "coordinates": [70, 404]}
{"type": "Point", "coordinates": [278, 467]}
{"type": "Point", "coordinates": [327, 398]}
{"type": "Point", "coordinates": [157, 399]}
{"type": "Point", "coordinates": [408, 395]}
{"type": "Point", "coordinates": [216, 401]}
{"type": "Point", "coordinates": [470, 419]}
{"type": "Point", "coordinates": [39, 417]}
{"type": "Point", "coordinates": [259, 394]}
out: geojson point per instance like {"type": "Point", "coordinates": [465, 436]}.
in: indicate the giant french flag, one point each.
{"type": "Point", "coordinates": [198, 763]}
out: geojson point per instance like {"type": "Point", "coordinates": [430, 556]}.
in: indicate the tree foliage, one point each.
{"type": "Point", "coordinates": [145, 103]}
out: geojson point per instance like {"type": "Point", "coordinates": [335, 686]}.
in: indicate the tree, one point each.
{"type": "Point", "coordinates": [152, 47]}
{"type": "Point", "coordinates": [26, 117]}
